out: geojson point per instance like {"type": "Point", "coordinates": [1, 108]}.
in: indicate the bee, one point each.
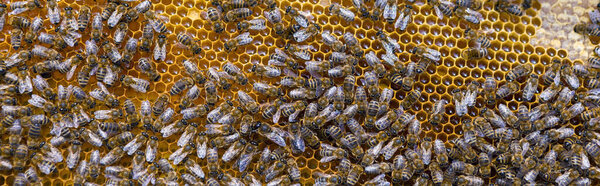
{"type": "Point", "coordinates": [179, 155]}
{"type": "Point", "coordinates": [181, 84]}
{"type": "Point", "coordinates": [148, 68]}
{"type": "Point", "coordinates": [119, 140]}
{"type": "Point", "coordinates": [189, 43]}
{"type": "Point", "coordinates": [437, 114]}
{"type": "Point", "coordinates": [23, 6]}
{"type": "Point", "coordinates": [305, 33]}
{"type": "Point", "coordinates": [332, 41]}
{"type": "Point", "coordinates": [327, 179]}
{"type": "Point", "coordinates": [160, 104]}
{"type": "Point", "coordinates": [97, 25]}
{"type": "Point", "coordinates": [240, 40]}
{"type": "Point", "coordinates": [389, 13]}
{"type": "Point", "coordinates": [18, 22]}
{"type": "Point", "coordinates": [16, 38]}
{"type": "Point", "coordinates": [514, 9]}
{"type": "Point", "coordinates": [213, 161]}
{"type": "Point", "coordinates": [391, 45]}
{"type": "Point", "coordinates": [254, 24]}
{"type": "Point", "coordinates": [519, 71]}
{"type": "Point", "coordinates": [411, 98]}
{"type": "Point", "coordinates": [489, 90]}
{"type": "Point", "coordinates": [120, 33]}
{"type": "Point", "coordinates": [510, 118]}
{"type": "Point", "coordinates": [42, 103]}
{"type": "Point", "coordinates": [530, 87]}
{"type": "Point", "coordinates": [337, 9]}
{"type": "Point", "coordinates": [116, 16]}
{"type": "Point", "coordinates": [474, 53]}
{"type": "Point", "coordinates": [301, 18]}
{"type": "Point", "coordinates": [236, 14]}
{"type": "Point", "coordinates": [156, 21]}
{"type": "Point", "coordinates": [572, 111]}
{"type": "Point", "coordinates": [442, 8]}
{"type": "Point", "coordinates": [133, 14]}
{"type": "Point", "coordinates": [44, 165]}
{"type": "Point", "coordinates": [84, 18]}
{"type": "Point", "coordinates": [160, 50]}
{"type": "Point", "coordinates": [468, 15]}
{"type": "Point", "coordinates": [233, 4]}
{"type": "Point", "coordinates": [53, 12]}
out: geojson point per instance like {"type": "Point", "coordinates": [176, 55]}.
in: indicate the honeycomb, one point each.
{"type": "Point", "coordinates": [512, 44]}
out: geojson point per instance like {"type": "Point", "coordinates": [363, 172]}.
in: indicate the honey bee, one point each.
{"type": "Point", "coordinates": [391, 46]}
{"type": "Point", "coordinates": [23, 6]}
{"type": "Point", "coordinates": [332, 41]}
{"type": "Point", "coordinates": [160, 104]}
{"type": "Point", "coordinates": [254, 24]}
{"type": "Point", "coordinates": [164, 118]}
{"type": "Point", "coordinates": [84, 18]}
{"type": "Point", "coordinates": [101, 93]}
{"type": "Point", "coordinates": [116, 15]}
{"type": "Point", "coordinates": [44, 165]}
{"type": "Point", "coordinates": [120, 33]}
{"type": "Point", "coordinates": [19, 22]}
{"type": "Point", "coordinates": [474, 53]}
{"type": "Point", "coordinates": [148, 69]}
{"type": "Point", "coordinates": [468, 15]}
{"type": "Point", "coordinates": [572, 111]}
{"type": "Point", "coordinates": [550, 92]}
{"type": "Point", "coordinates": [180, 154]}
{"type": "Point", "coordinates": [240, 40]}
{"type": "Point", "coordinates": [305, 33]}
{"type": "Point", "coordinates": [530, 87]}
{"type": "Point", "coordinates": [181, 84]}
{"type": "Point", "coordinates": [112, 156]}
{"type": "Point", "coordinates": [302, 18]}
{"type": "Point", "coordinates": [337, 9]}
{"type": "Point", "coordinates": [53, 11]}
{"type": "Point", "coordinates": [233, 4]}
{"type": "Point", "coordinates": [156, 21]}
{"type": "Point", "coordinates": [16, 38]}
{"type": "Point", "coordinates": [489, 90]}
{"type": "Point", "coordinates": [410, 99]}
{"type": "Point", "coordinates": [97, 25]}
{"type": "Point", "coordinates": [192, 70]}
{"type": "Point", "coordinates": [268, 90]}
{"type": "Point", "coordinates": [236, 14]}
{"type": "Point", "coordinates": [160, 50]}
{"type": "Point", "coordinates": [437, 115]}
{"type": "Point", "coordinates": [505, 6]}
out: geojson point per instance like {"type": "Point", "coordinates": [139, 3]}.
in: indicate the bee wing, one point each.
{"type": "Point", "coordinates": [94, 139]}
{"type": "Point", "coordinates": [37, 101]}
{"type": "Point", "coordinates": [277, 115]}
{"type": "Point", "coordinates": [102, 114]}
{"type": "Point", "coordinates": [145, 108]}
{"type": "Point", "coordinates": [132, 146]}
{"type": "Point", "coordinates": [326, 159]}
{"type": "Point", "coordinates": [230, 153]}
{"type": "Point", "coordinates": [141, 85]}
{"type": "Point", "coordinates": [301, 35]}
{"type": "Point", "coordinates": [150, 153]}
{"type": "Point", "coordinates": [244, 161]}
{"type": "Point", "coordinates": [390, 11]}
{"type": "Point", "coordinates": [257, 24]}
{"type": "Point", "coordinates": [301, 20]}
{"type": "Point", "coordinates": [25, 85]}
{"type": "Point", "coordinates": [157, 53]}
{"type": "Point", "coordinates": [475, 14]}
{"type": "Point", "coordinates": [276, 138]}
{"type": "Point", "coordinates": [110, 76]}
{"type": "Point", "coordinates": [380, 3]}
{"type": "Point", "coordinates": [40, 83]}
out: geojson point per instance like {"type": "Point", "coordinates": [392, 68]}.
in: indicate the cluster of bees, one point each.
{"type": "Point", "coordinates": [341, 107]}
